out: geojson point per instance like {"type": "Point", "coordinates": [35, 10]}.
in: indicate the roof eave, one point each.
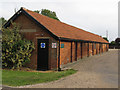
{"type": "Point", "coordinates": [77, 40]}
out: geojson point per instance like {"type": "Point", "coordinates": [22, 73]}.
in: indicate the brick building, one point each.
{"type": "Point", "coordinates": [56, 43]}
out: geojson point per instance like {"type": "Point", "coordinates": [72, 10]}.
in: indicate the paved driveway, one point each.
{"type": "Point", "coordinates": [99, 71]}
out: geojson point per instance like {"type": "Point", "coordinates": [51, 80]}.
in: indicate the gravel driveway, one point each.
{"type": "Point", "coordinates": [99, 71]}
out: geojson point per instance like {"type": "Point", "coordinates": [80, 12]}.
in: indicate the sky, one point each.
{"type": "Point", "coordinates": [96, 16]}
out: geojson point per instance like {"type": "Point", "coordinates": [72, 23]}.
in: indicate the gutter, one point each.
{"type": "Point", "coordinates": [67, 39]}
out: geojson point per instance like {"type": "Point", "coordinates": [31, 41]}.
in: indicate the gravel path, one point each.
{"type": "Point", "coordinates": [99, 71]}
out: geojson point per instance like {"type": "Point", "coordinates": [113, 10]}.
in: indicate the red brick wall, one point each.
{"type": "Point", "coordinates": [90, 49]}
{"type": "Point", "coordinates": [73, 51]}
{"type": "Point", "coordinates": [97, 48]}
{"type": "Point", "coordinates": [78, 50]}
{"type": "Point", "coordinates": [65, 53]}
{"type": "Point", "coordinates": [94, 46]}
{"type": "Point", "coordinates": [100, 48]}
{"type": "Point", "coordinates": [84, 49]}
{"type": "Point", "coordinates": [104, 47]}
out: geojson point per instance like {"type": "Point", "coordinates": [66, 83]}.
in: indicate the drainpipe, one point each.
{"type": "Point", "coordinates": [59, 69]}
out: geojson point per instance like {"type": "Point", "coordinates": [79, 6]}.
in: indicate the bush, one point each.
{"type": "Point", "coordinates": [16, 50]}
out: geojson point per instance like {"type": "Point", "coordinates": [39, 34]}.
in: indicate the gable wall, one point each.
{"type": "Point", "coordinates": [34, 34]}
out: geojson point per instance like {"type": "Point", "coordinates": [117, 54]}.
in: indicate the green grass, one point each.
{"type": "Point", "coordinates": [20, 78]}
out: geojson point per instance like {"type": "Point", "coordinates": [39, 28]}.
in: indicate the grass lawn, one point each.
{"type": "Point", "coordinates": [20, 78]}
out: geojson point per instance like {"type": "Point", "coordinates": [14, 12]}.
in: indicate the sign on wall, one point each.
{"type": "Point", "coordinates": [42, 45]}
{"type": "Point", "coordinates": [54, 45]}
{"type": "Point", "coordinates": [62, 45]}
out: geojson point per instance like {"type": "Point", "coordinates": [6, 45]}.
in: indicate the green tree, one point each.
{"type": "Point", "coordinates": [106, 39]}
{"type": "Point", "coordinates": [48, 13]}
{"type": "Point", "coordinates": [2, 21]}
{"type": "Point", "coordinates": [112, 43]}
{"type": "Point", "coordinates": [16, 50]}
{"type": "Point", "coordinates": [37, 11]}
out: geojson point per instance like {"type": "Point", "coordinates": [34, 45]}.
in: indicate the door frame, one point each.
{"type": "Point", "coordinates": [37, 38]}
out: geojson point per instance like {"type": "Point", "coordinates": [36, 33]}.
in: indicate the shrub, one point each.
{"type": "Point", "coordinates": [16, 50]}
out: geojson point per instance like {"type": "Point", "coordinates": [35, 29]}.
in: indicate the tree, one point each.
{"type": "Point", "coordinates": [37, 11]}
{"type": "Point", "coordinates": [16, 50]}
{"type": "Point", "coordinates": [106, 39]}
{"type": "Point", "coordinates": [117, 41]}
{"type": "Point", "coordinates": [48, 13]}
{"type": "Point", "coordinates": [113, 42]}
{"type": "Point", "coordinates": [2, 21]}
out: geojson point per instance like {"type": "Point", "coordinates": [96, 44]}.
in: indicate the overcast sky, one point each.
{"type": "Point", "coordinates": [95, 16]}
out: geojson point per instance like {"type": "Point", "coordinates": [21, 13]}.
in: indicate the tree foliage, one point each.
{"type": "Point", "coordinates": [112, 43]}
{"type": "Point", "coordinates": [37, 11]}
{"type": "Point", "coordinates": [106, 39]}
{"type": "Point", "coordinates": [48, 13]}
{"type": "Point", "coordinates": [16, 50]}
{"type": "Point", "coordinates": [2, 21]}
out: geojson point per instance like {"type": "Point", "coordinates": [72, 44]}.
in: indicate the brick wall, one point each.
{"type": "Point", "coordinates": [97, 48]}
{"type": "Point", "coordinates": [65, 53]}
{"type": "Point", "coordinates": [104, 47]}
{"type": "Point", "coordinates": [90, 49]}
{"type": "Point", "coordinates": [73, 51]}
{"type": "Point", "coordinates": [78, 50]}
{"type": "Point", "coordinates": [84, 49]}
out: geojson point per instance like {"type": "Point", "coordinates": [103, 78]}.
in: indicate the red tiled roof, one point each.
{"type": "Point", "coordinates": [63, 30]}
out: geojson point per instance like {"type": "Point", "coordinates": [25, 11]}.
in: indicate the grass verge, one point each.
{"type": "Point", "coordinates": [21, 78]}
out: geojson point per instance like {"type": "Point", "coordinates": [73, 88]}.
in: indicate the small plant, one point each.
{"type": "Point", "coordinates": [16, 50]}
